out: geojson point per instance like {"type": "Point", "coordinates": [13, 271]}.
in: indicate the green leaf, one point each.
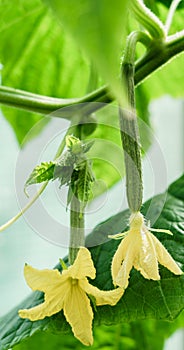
{"type": "Point", "coordinates": [133, 336]}
{"type": "Point", "coordinates": [77, 146]}
{"type": "Point", "coordinates": [37, 56]}
{"type": "Point", "coordinates": [41, 173]}
{"type": "Point", "coordinates": [73, 161]}
{"type": "Point", "coordinates": [99, 28]}
{"type": "Point", "coordinates": [143, 299]}
{"type": "Point", "coordinates": [61, 169]}
{"type": "Point", "coordinates": [81, 182]}
{"type": "Point", "coordinates": [73, 144]}
{"type": "Point", "coordinates": [166, 81]}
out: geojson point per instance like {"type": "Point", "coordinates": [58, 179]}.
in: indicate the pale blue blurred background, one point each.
{"type": "Point", "coordinates": [20, 244]}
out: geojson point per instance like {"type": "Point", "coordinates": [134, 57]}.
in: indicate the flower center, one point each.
{"type": "Point", "coordinates": [74, 281]}
{"type": "Point", "coordinates": [136, 221]}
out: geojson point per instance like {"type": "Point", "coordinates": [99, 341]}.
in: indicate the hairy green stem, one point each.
{"type": "Point", "coordinates": [129, 129]}
{"type": "Point", "coordinates": [46, 105]}
{"type": "Point", "coordinates": [77, 237]}
{"type": "Point", "coordinates": [148, 19]}
{"type": "Point", "coordinates": [132, 39]}
{"type": "Point", "coordinates": [157, 55]}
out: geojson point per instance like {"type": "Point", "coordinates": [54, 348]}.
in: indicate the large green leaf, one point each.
{"type": "Point", "coordinates": [37, 56]}
{"type": "Point", "coordinates": [45, 60]}
{"type": "Point", "coordinates": [133, 336]}
{"type": "Point", "coordinates": [99, 28]}
{"type": "Point", "coordinates": [143, 299]}
{"type": "Point", "coordinates": [167, 81]}
{"type": "Point", "coordinates": [147, 334]}
{"type": "Point", "coordinates": [50, 63]}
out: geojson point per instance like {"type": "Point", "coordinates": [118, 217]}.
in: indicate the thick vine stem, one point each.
{"type": "Point", "coordinates": [132, 39]}
{"type": "Point", "coordinates": [46, 105]}
{"type": "Point", "coordinates": [130, 132]}
{"type": "Point", "coordinates": [156, 56]}
{"type": "Point", "coordinates": [77, 237]}
{"type": "Point", "coordinates": [131, 146]}
{"type": "Point", "coordinates": [148, 19]}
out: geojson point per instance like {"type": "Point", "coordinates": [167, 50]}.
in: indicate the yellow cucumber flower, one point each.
{"type": "Point", "coordinates": [69, 291]}
{"type": "Point", "coordinates": [142, 250]}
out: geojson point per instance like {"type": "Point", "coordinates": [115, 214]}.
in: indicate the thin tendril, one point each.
{"type": "Point", "coordinates": [171, 13]}
{"type": "Point", "coordinates": [33, 200]}
{"type": "Point", "coordinates": [16, 217]}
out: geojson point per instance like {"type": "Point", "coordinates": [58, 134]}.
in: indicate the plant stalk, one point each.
{"type": "Point", "coordinates": [77, 236]}
{"type": "Point", "coordinates": [129, 130]}
{"type": "Point", "coordinates": [148, 19]}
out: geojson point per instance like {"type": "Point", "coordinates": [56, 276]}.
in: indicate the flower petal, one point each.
{"type": "Point", "coordinates": [146, 261]}
{"type": "Point", "coordinates": [53, 303]}
{"type": "Point", "coordinates": [161, 230]}
{"type": "Point", "coordinates": [110, 297]}
{"type": "Point", "coordinates": [123, 275]}
{"type": "Point", "coordinates": [118, 235]}
{"type": "Point", "coordinates": [118, 257]}
{"type": "Point", "coordinates": [83, 265]}
{"type": "Point", "coordinates": [39, 312]}
{"type": "Point", "coordinates": [78, 313]}
{"type": "Point", "coordinates": [42, 280]}
{"type": "Point", "coordinates": [165, 258]}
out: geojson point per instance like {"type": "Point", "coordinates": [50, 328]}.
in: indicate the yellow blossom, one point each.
{"type": "Point", "coordinates": [69, 291]}
{"type": "Point", "coordinates": [142, 250]}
